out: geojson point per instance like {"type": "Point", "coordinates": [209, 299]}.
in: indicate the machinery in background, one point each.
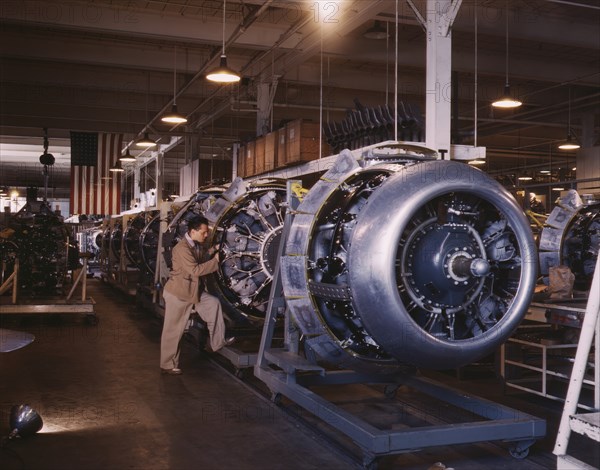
{"type": "Point", "coordinates": [140, 243]}
{"type": "Point", "coordinates": [40, 262]}
{"type": "Point", "coordinates": [571, 237]}
{"type": "Point", "coordinates": [44, 247]}
{"type": "Point", "coordinates": [90, 240]}
{"type": "Point", "coordinates": [538, 358]}
{"type": "Point", "coordinates": [118, 266]}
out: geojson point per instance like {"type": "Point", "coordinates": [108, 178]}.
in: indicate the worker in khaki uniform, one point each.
{"type": "Point", "coordinates": [184, 290]}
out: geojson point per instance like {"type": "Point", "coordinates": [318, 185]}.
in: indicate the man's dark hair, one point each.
{"type": "Point", "coordinates": [195, 222]}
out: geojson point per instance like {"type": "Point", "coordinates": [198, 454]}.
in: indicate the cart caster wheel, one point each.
{"type": "Point", "coordinates": [240, 373]}
{"type": "Point", "coordinates": [390, 391]}
{"type": "Point", "coordinates": [92, 320]}
{"type": "Point", "coordinates": [276, 398]}
{"type": "Point", "coordinates": [519, 454]}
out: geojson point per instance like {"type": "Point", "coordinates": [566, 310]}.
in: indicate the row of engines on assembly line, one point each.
{"type": "Point", "coordinates": [389, 260]}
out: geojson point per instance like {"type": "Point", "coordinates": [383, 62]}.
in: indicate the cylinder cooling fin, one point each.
{"type": "Point", "coordinates": [429, 263]}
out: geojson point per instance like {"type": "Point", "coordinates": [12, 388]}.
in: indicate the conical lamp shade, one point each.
{"type": "Point", "coordinates": [507, 101]}
{"type": "Point", "coordinates": [223, 74]}
{"type": "Point", "coordinates": [376, 31]}
{"type": "Point", "coordinates": [117, 168]}
{"type": "Point", "coordinates": [174, 117]}
{"type": "Point", "coordinates": [525, 176]}
{"type": "Point", "coordinates": [569, 144]}
{"type": "Point", "coordinates": [146, 141]}
{"type": "Point", "coordinates": [127, 158]}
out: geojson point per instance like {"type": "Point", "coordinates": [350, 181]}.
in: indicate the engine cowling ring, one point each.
{"type": "Point", "coordinates": [397, 203]}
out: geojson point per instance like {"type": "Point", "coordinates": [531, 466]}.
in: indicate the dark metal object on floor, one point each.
{"type": "Point", "coordinates": [24, 421]}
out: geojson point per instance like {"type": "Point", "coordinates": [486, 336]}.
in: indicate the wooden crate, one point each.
{"type": "Point", "coordinates": [271, 147]}
{"type": "Point", "coordinates": [241, 161]}
{"type": "Point", "coordinates": [249, 159]}
{"type": "Point", "coordinates": [281, 148]}
{"type": "Point", "coordinates": [302, 142]}
{"type": "Point", "coordinates": [259, 155]}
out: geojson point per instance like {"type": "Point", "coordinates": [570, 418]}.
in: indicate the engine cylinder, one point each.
{"type": "Point", "coordinates": [429, 263]}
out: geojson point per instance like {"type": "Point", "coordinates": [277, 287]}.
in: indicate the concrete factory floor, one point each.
{"type": "Point", "coordinates": [105, 405]}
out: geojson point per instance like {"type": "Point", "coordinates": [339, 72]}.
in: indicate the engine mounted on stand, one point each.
{"type": "Point", "coordinates": [44, 247]}
{"type": "Point", "coordinates": [393, 261]}
{"type": "Point", "coordinates": [422, 261]}
{"type": "Point", "coordinates": [41, 263]}
{"type": "Point", "coordinates": [571, 237]}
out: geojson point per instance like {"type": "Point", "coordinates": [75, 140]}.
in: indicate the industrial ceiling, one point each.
{"type": "Point", "coordinates": [108, 66]}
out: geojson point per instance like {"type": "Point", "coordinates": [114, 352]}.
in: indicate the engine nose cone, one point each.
{"type": "Point", "coordinates": [480, 267]}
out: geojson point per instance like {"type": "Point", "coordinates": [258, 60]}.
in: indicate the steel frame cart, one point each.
{"type": "Point", "coordinates": [287, 373]}
{"type": "Point", "coordinates": [50, 305]}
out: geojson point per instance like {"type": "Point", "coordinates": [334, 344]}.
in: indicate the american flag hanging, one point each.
{"type": "Point", "coordinates": [95, 190]}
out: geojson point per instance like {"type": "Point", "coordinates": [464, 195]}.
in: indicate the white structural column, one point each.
{"type": "Point", "coordinates": [159, 177]}
{"type": "Point", "coordinates": [440, 16]}
{"type": "Point", "coordinates": [136, 182]}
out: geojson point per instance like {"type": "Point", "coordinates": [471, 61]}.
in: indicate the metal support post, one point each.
{"type": "Point", "coordinates": [440, 16]}
{"type": "Point", "coordinates": [276, 305]}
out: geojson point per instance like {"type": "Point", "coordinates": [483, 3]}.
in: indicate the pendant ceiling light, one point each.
{"type": "Point", "coordinates": [146, 141]}
{"type": "Point", "coordinates": [570, 143]}
{"type": "Point", "coordinates": [116, 168]}
{"type": "Point", "coordinates": [507, 100]}
{"type": "Point", "coordinates": [127, 158]}
{"type": "Point", "coordinates": [525, 176]}
{"type": "Point", "coordinates": [376, 31]}
{"type": "Point", "coordinates": [174, 117]}
{"type": "Point", "coordinates": [223, 74]}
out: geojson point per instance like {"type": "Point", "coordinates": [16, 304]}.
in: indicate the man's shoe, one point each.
{"type": "Point", "coordinates": [229, 341]}
{"type": "Point", "coordinates": [174, 371]}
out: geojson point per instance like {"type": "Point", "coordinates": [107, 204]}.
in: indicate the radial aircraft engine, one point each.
{"type": "Point", "coordinates": [402, 259]}
{"type": "Point", "coordinates": [571, 237]}
{"type": "Point", "coordinates": [247, 220]}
